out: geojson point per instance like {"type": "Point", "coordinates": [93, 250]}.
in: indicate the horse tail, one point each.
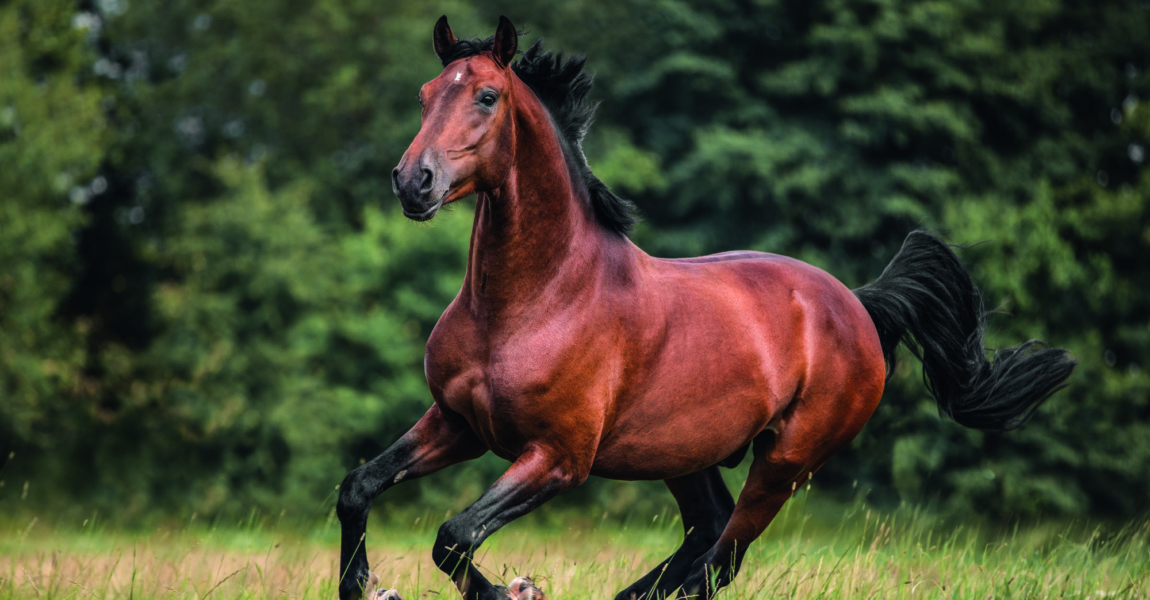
{"type": "Point", "coordinates": [926, 300]}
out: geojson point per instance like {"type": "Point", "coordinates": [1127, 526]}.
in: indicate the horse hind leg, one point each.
{"type": "Point", "coordinates": [706, 505]}
{"type": "Point", "coordinates": [768, 487]}
{"type": "Point", "coordinates": [802, 441]}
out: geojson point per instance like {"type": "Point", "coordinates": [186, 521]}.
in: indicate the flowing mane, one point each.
{"type": "Point", "coordinates": [562, 86]}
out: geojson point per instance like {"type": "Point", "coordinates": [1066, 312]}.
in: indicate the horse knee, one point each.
{"type": "Point", "coordinates": [353, 496]}
{"type": "Point", "coordinates": [453, 543]}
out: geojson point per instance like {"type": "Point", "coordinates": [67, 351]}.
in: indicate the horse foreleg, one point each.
{"type": "Point", "coordinates": [706, 505]}
{"type": "Point", "coordinates": [435, 442]}
{"type": "Point", "coordinates": [534, 478]}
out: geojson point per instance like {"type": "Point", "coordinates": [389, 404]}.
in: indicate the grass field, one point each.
{"type": "Point", "coordinates": [809, 552]}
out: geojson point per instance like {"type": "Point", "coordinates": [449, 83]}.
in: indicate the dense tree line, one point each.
{"type": "Point", "coordinates": [209, 302]}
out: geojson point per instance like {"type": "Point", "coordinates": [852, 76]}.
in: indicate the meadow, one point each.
{"type": "Point", "coordinates": [813, 550]}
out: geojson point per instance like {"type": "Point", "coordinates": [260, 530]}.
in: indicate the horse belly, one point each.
{"type": "Point", "coordinates": [677, 445]}
{"type": "Point", "coordinates": [695, 416]}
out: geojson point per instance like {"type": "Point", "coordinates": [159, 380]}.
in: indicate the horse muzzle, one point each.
{"type": "Point", "coordinates": [420, 186]}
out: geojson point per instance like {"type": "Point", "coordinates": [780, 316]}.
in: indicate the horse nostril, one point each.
{"type": "Point", "coordinates": [425, 184]}
{"type": "Point", "coordinates": [395, 180]}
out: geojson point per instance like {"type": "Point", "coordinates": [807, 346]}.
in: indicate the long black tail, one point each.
{"type": "Point", "coordinates": [926, 300]}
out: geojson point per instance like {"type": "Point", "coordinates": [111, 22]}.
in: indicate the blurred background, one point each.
{"type": "Point", "coordinates": [210, 303]}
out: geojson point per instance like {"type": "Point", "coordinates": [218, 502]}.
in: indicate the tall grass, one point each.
{"type": "Point", "coordinates": [811, 551]}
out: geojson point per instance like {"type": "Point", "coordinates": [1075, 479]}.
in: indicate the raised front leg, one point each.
{"type": "Point", "coordinates": [705, 504]}
{"type": "Point", "coordinates": [536, 477]}
{"type": "Point", "coordinates": [435, 442]}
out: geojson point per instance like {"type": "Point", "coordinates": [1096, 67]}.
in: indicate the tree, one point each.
{"type": "Point", "coordinates": [52, 136]}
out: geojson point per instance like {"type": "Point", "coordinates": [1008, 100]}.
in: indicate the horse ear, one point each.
{"type": "Point", "coordinates": [442, 38]}
{"type": "Point", "coordinates": [506, 42]}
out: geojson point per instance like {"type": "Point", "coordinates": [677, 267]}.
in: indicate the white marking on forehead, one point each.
{"type": "Point", "coordinates": [458, 74]}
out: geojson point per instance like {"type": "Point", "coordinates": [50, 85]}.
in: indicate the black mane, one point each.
{"type": "Point", "coordinates": [562, 87]}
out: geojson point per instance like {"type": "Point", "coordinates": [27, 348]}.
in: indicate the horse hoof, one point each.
{"type": "Point", "coordinates": [370, 585]}
{"type": "Point", "coordinates": [523, 588]}
{"type": "Point", "coordinates": [372, 591]}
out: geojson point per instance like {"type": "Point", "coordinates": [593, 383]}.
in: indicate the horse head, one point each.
{"type": "Point", "coordinates": [464, 143]}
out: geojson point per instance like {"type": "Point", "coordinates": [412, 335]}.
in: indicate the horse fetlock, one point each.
{"type": "Point", "coordinates": [707, 577]}
{"type": "Point", "coordinates": [358, 584]}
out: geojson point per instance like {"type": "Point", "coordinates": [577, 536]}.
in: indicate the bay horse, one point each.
{"type": "Point", "coordinates": [570, 352]}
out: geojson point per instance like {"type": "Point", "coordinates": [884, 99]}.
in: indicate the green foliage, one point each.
{"type": "Point", "coordinates": [273, 336]}
{"type": "Point", "coordinates": [52, 136]}
{"type": "Point", "coordinates": [225, 317]}
{"type": "Point", "coordinates": [253, 330]}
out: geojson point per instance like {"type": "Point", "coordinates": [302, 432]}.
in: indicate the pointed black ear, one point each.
{"type": "Point", "coordinates": [442, 38]}
{"type": "Point", "coordinates": [506, 42]}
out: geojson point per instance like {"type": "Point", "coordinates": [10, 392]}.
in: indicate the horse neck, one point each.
{"type": "Point", "coordinates": [537, 232]}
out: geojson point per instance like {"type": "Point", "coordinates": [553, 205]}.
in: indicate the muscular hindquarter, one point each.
{"type": "Point", "coordinates": [734, 365]}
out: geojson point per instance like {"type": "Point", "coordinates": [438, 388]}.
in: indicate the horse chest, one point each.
{"type": "Point", "coordinates": [506, 388]}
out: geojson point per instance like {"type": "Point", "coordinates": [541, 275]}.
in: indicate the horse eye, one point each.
{"type": "Point", "coordinates": [488, 99]}
{"type": "Point", "coordinates": [420, 99]}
